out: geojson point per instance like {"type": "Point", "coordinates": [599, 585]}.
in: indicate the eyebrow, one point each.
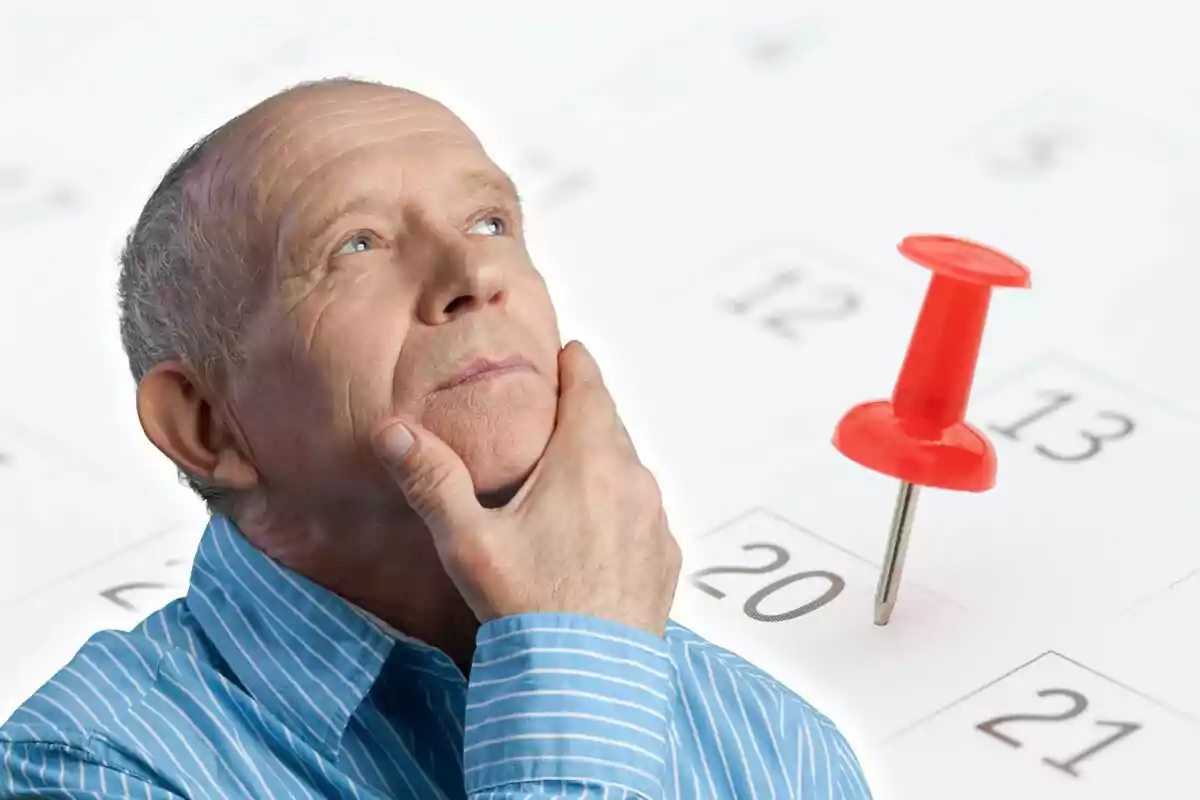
{"type": "Point", "coordinates": [322, 224]}
{"type": "Point", "coordinates": [477, 181]}
{"type": "Point", "coordinates": [489, 181]}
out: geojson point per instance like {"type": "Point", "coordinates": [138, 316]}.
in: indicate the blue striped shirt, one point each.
{"type": "Point", "coordinates": [261, 684]}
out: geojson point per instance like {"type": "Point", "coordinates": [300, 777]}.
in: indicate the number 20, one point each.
{"type": "Point", "coordinates": [836, 584]}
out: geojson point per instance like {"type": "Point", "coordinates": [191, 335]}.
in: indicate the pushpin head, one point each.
{"type": "Point", "coordinates": [958, 457]}
{"type": "Point", "coordinates": [920, 435]}
{"type": "Point", "coordinates": [964, 260]}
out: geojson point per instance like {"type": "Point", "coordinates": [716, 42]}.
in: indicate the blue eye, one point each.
{"type": "Point", "coordinates": [357, 244]}
{"type": "Point", "coordinates": [495, 226]}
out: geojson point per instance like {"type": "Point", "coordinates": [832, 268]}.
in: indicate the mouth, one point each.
{"type": "Point", "coordinates": [484, 369]}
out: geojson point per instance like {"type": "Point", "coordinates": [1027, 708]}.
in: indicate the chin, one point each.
{"type": "Point", "coordinates": [500, 443]}
{"type": "Point", "coordinates": [501, 467]}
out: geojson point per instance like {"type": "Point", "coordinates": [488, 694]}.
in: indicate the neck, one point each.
{"type": "Point", "coordinates": [383, 561]}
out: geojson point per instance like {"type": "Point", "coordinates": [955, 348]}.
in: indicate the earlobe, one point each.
{"type": "Point", "coordinates": [179, 419]}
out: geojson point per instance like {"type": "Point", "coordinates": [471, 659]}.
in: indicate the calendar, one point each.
{"type": "Point", "coordinates": [715, 202]}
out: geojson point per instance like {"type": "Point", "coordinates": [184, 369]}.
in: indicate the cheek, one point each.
{"type": "Point", "coordinates": [318, 390]}
{"type": "Point", "coordinates": [535, 310]}
{"type": "Point", "coordinates": [355, 351]}
{"type": "Point", "coordinates": [317, 396]}
{"type": "Point", "coordinates": [284, 415]}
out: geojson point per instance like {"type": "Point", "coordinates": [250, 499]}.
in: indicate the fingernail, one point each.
{"type": "Point", "coordinates": [396, 441]}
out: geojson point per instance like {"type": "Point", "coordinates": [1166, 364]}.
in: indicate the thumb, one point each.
{"type": "Point", "coordinates": [435, 481]}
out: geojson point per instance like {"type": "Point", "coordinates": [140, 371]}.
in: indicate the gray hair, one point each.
{"type": "Point", "coordinates": [178, 293]}
{"type": "Point", "coordinates": [186, 289]}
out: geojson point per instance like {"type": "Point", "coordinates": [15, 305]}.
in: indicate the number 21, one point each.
{"type": "Point", "coordinates": [117, 594]}
{"type": "Point", "coordinates": [1079, 704]}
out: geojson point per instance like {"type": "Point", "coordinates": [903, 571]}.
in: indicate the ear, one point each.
{"type": "Point", "coordinates": [178, 417]}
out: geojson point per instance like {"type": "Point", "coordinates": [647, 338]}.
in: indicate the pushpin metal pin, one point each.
{"type": "Point", "coordinates": [920, 435]}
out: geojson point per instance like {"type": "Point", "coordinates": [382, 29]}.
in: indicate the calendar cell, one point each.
{"type": "Point", "coordinates": [58, 513]}
{"type": "Point", "coordinates": [117, 593]}
{"type": "Point", "coordinates": [746, 341]}
{"type": "Point", "coordinates": [1053, 159]}
{"type": "Point", "coordinates": [1077, 190]}
{"type": "Point", "coordinates": [1053, 728]}
{"type": "Point", "coordinates": [31, 196]}
{"type": "Point", "coordinates": [1084, 519]}
{"type": "Point", "coordinates": [800, 606]}
{"type": "Point", "coordinates": [1154, 645]}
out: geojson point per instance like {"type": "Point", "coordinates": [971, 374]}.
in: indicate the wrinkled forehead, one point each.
{"type": "Point", "coordinates": [290, 148]}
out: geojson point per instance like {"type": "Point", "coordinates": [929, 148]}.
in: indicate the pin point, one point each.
{"type": "Point", "coordinates": [920, 435]}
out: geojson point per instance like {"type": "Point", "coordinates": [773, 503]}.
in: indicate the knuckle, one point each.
{"type": "Point", "coordinates": [593, 392]}
{"type": "Point", "coordinates": [601, 415]}
{"type": "Point", "coordinates": [646, 487]}
{"type": "Point", "coordinates": [424, 488]}
{"type": "Point", "coordinates": [673, 553]}
{"type": "Point", "coordinates": [470, 557]}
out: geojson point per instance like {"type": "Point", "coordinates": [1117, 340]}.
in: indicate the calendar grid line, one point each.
{"type": "Point", "coordinates": [873, 565]}
{"type": "Point", "coordinates": [1157, 593]}
{"type": "Point", "coordinates": [114, 555]}
{"type": "Point", "coordinates": [1082, 364]}
{"type": "Point", "coordinates": [1187, 717]}
{"type": "Point", "coordinates": [911, 726]}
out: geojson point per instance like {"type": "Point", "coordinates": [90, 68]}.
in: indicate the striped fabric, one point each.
{"type": "Point", "coordinates": [261, 684]}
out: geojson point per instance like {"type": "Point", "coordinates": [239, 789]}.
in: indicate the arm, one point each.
{"type": "Point", "coordinates": [30, 770]}
{"type": "Point", "coordinates": [566, 705]}
{"type": "Point", "coordinates": [825, 765]}
{"type": "Point", "coordinates": [815, 759]}
{"type": "Point", "coordinates": [759, 738]}
{"type": "Point", "coordinates": [559, 699]}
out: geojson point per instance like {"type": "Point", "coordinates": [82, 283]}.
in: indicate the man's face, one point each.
{"type": "Point", "coordinates": [398, 261]}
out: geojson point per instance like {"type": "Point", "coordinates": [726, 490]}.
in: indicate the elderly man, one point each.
{"type": "Point", "coordinates": [435, 567]}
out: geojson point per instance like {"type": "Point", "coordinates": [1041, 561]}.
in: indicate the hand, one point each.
{"type": "Point", "coordinates": [585, 534]}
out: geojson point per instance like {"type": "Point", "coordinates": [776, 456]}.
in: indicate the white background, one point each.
{"type": "Point", "coordinates": [672, 163]}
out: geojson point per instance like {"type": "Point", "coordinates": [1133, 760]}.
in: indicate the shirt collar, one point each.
{"type": "Point", "coordinates": [307, 655]}
{"type": "Point", "coordinates": [388, 629]}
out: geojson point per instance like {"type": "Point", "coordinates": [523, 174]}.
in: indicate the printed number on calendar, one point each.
{"type": "Point", "coordinates": [774, 51]}
{"type": "Point", "coordinates": [1106, 427]}
{"type": "Point", "coordinates": [832, 583]}
{"type": "Point", "coordinates": [121, 595]}
{"type": "Point", "coordinates": [788, 301]}
{"type": "Point", "coordinates": [1034, 154]}
{"type": "Point", "coordinates": [557, 183]}
{"type": "Point", "coordinates": [23, 197]}
{"type": "Point", "coordinates": [1108, 732]}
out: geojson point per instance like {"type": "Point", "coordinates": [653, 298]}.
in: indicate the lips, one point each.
{"type": "Point", "coordinates": [484, 368]}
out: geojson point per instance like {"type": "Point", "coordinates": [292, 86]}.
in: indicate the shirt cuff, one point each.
{"type": "Point", "coordinates": [567, 697]}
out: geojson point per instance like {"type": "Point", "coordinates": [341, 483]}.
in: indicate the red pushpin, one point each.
{"type": "Point", "coordinates": [920, 435]}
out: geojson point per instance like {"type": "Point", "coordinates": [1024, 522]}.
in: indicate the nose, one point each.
{"type": "Point", "coordinates": [463, 283]}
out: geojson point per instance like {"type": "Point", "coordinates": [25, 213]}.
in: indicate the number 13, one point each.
{"type": "Point", "coordinates": [1095, 441]}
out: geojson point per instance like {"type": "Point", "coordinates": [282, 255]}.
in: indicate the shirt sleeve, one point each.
{"type": "Point", "coordinates": [760, 738]}
{"type": "Point", "coordinates": [823, 763]}
{"type": "Point", "coordinates": [30, 770]}
{"type": "Point", "coordinates": [566, 705]}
